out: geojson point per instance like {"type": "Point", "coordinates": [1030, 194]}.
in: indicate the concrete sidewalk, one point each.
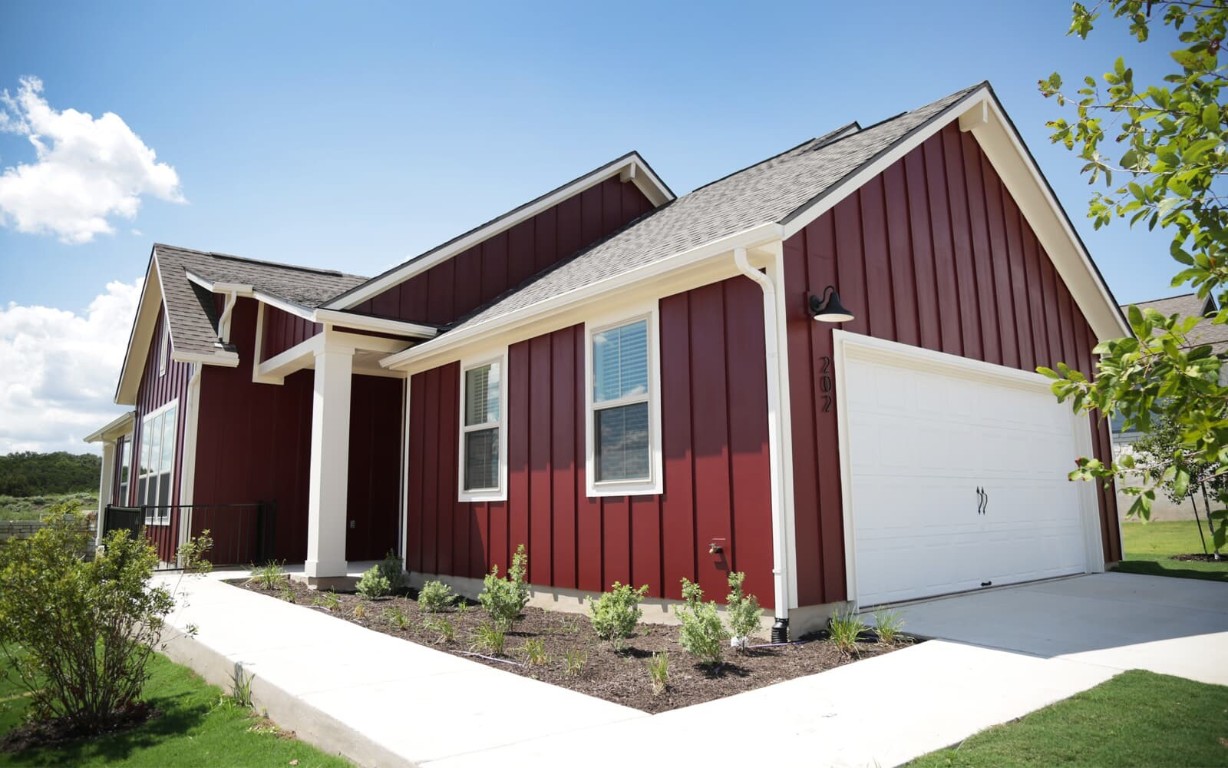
{"type": "Point", "coordinates": [383, 701]}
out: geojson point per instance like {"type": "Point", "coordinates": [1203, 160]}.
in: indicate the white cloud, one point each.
{"type": "Point", "coordinates": [58, 370]}
{"type": "Point", "coordinates": [87, 170]}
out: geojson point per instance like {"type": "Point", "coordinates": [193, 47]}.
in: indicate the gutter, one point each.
{"type": "Point", "coordinates": [776, 452]}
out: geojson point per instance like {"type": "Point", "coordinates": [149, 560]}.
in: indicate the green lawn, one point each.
{"type": "Point", "coordinates": [1136, 719]}
{"type": "Point", "coordinates": [1150, 547]}
{"type": "Point", "coordinates": [198, 727]}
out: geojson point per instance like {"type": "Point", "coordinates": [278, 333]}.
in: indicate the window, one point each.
{"type": "Point", "coordinates": [125, 469]}
{"type": "Point", "coordinates": [157, 463]}
{"type": "Point", "coordinates": [483, 443]}
{"type": "Point", "coordinates": [623, 427]}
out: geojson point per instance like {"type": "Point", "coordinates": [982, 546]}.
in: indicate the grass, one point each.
{"type": "Point", "coordinates": [199, 726]}
{"type": "Point", "coordinates": [33, 507]}
{"type": "Point", "coordinates": [1137, 718]}
{"type": "Point", "coordinates": [1150, 546]}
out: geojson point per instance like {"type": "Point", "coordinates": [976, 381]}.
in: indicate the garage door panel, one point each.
{"type": "Point", "coordinates": [921, 441]}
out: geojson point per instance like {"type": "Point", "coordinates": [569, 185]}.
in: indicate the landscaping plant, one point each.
{"type": "Point", "coordinates": [615, 613]}
{"type": "Point", "coordinates": [374, 584]}
{"type": "Point", "coordinates": [535, 652]}
{"type": "Point", "coordinates": [489, 637]}
{"type": "Point", "coordinates": [442, 626]}
{"type": "Point", "coordinates": [844, 629]}
{"type": "Point", "coordinates": [395, 617]}
{"type": "Point", "coordinates": [887, 625]}
{"type": "Point", "coordinates": [392, 568]}
{"type": "Point", "coordinates": [658, 670]}
{"type": "Point", "coordinates": [574, 661]}
{"type": "Point", "coordinates": [85, 627]}
{"type": "Point", "coordinates": [703, 635]}
{"type": "Point", "coordinates": [269, 576]}
{"type": "Point", "coordinates": [504, 599]}
{"type": "Point", "coordinates": [435, 596]}
{"type": "Point", "coordinates": [744, 611]}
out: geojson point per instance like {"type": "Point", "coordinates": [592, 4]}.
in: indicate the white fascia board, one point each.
{"type": "Point", "coordinates": [750, 238]}
{"type": "Point", "coordinates": [632, 164]}
{"type": "Point", "coordinates": [139, 337]}
{"type": "Point", "coordinates": [374, 324]}
{"type": "Point", "coordinates": [116, 428]}
{"type": "Point", "coordinates": [221, 357]}
{"type": "Point", "coordinates": [1005, 149]}
{"type": "Point", "coordinates": [285, 306]}
{"type": "Point", "coordinates": [298, 357]}
{"type": "Point", "coordinates": [852, 183]}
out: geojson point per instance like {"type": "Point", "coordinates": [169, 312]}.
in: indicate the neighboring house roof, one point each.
{"type": "Point", "coordinates": [1190, 305]}
{"type": "Point", "coordinates": [773, 191]}
{"type": "Point", "coordinates": [192, 309]}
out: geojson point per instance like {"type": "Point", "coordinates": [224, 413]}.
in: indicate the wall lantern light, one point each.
{"type": "Point", "coordinates": [827, 309]}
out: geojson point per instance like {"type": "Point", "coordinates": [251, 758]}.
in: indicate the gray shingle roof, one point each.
{"type": "Point", "coordinates": [192, 309]}
{"type": "Point", "coordinates": [1189, 305]}
{"type": "Point", "coordinates": [769, 192]}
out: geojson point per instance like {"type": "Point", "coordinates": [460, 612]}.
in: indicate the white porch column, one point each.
{"type": "Point", "coordinates": [104, 487]}
{"type": "Point", "coordinates": [330, 455]}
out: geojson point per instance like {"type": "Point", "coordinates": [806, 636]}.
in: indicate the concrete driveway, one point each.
{"type": "Point", "coordinates": [1115, 620]}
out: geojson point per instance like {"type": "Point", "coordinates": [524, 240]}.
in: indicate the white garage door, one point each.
{"type": "Point", "coordinates": [958, 475]}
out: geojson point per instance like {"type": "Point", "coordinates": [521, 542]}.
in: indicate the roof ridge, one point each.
{"type": "Point", "coordinates": [260, 262]}
{"type": "Point", "coordinates": [797, 148]}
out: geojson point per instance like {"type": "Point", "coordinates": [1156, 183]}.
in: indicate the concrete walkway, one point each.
{"type": "Point", "coordinates": [383, 701]}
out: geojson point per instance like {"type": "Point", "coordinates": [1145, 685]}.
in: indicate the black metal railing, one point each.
{"type": "Point", "coordinates": [241, 533]}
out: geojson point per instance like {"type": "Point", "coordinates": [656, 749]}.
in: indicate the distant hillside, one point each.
{"type": "Point", "coordinates": [40, 474]}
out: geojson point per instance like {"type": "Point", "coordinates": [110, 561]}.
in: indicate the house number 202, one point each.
{"type": "Point", "coordinates": [825, 382]}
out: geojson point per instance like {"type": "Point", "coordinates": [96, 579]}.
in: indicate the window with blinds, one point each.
{"type": "Point", "coordinates": [621, 424]}
{"type": "Point", "coordinates": [481, 428]}
{"type": "Point", "coordinates": [156, 469]}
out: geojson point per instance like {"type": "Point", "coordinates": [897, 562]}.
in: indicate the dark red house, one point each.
{"type": "Point", "coordinates": [635, 386]}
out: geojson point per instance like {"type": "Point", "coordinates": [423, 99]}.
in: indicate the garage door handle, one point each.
{"type": "Point", "coordinates": [985, 506]}
{"type": "Point", "coordinates": [981, 500]}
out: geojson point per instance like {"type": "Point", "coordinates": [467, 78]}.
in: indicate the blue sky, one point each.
{"type": "Point", "coordinates": [356, 135]}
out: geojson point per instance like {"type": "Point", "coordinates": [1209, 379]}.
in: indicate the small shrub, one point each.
{"type": "Point", "coordinates": [435, 596]}
{"type": "Point", "coordinates": [489, 638]}
{"type": "Point", "coordinates": [268, 576]}
{"type": "Point", "coordinates": [535, 652]}
{"type": "Point", "coordinates": [241, 686]}
{"type": "Point", "coordinates": [744, 611]}
{"type": "Point", "coordinates": [442, 626]}
{"type": "Point", "coordinates": [360, 611]}
{"type": "Point", "coordinates": [575, 660]}
{"type": "Point", "coordinates": [326, 600]}
{"type": "Point", "coordinates": [504, 599]}
{"type": "Point", "coordinates": [844, 628]}
{"type": "Point", "coordinates": [374, 584]}
{"type": "Point", "coordinates": [392, 568]}
{"type": "Point", "coordinates": [658, 670]}
{"type": "Point", "coordinates": [395, 617]}
{"type": "Point", "coordinates": [286, 592]}
{"type": "Point", "coordinates": [887, 625]}
{"type": "Point", "coordinates": [702, 635]}
{"type": "Point", "coordinates": [86, 628]}
{"type": "Point", "coordinates": [193, 554]}
{"type": "Point", "coordinates": [615, 613]}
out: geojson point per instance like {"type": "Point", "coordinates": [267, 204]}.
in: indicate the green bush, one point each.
{"type": "Point", "coordinates": [703, 635]}
{"type": "Point", "coordinates": [844, 629]}
{"type": "Point", "coordinates": [87, 626]}
{"type": "Point", "coordinates": [268, 576]}
{"type": "Point", "coordinates": [392, 569]}
{"type": "Point", "coordinates": [504, 599]}
{"type": "Point", "coordinates": [373, 583]}
{"type": "Point", "coordinates": [744, 611]}
{"type": "Point", "coordinates": [434, 597]}
{"type": "Point", "coordinates": [615, 613]}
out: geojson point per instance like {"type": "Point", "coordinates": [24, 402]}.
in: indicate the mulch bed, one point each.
{"type": "Point", "coordinates": [620, 677]}
{"type": "Point", "coordinates": [1203, 558]}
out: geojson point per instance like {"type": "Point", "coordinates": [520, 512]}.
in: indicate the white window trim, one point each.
{"type": "Point", "coordinates": [136, 459]}
{"type": "Point", "coordinates": [483, 494]}
{"type": "Point", "coordinates": [164, 346]}
{"type": "Point", "coordinates": [128, 444]}
{"type": "Point", "coordinates": [655, 484]}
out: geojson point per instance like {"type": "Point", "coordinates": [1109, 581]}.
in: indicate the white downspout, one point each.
{"type": "Point", "coordinates": [771, 339]}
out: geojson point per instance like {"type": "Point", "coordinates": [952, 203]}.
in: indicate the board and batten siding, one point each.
{"type": "Point", "coordinates": [714, 442]}
{"type": "Point", "coordinates": [479, 274]}
{"type": "Point", "coordinates": [155, 391]}
{"type": "Point", "coordinates": [934, 253]}
{"type": "Point", "coordinates": [281, 330]}
{"type": "Point", "coordinates": [254, 445]}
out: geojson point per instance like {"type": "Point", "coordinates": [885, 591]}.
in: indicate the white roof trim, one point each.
{"type": "Point", "coordinates": [374, 324]}
{"type": "Point", "coordinates": [632, 165]}
{"type": "Point", "coordinates": [142, 329]}
{"type": "Point", "coordinates": [118, 427]}
{"type": "Point", "coordinates": [980, 113]}
{"type": "Point", "coordinates": [756, 236]}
